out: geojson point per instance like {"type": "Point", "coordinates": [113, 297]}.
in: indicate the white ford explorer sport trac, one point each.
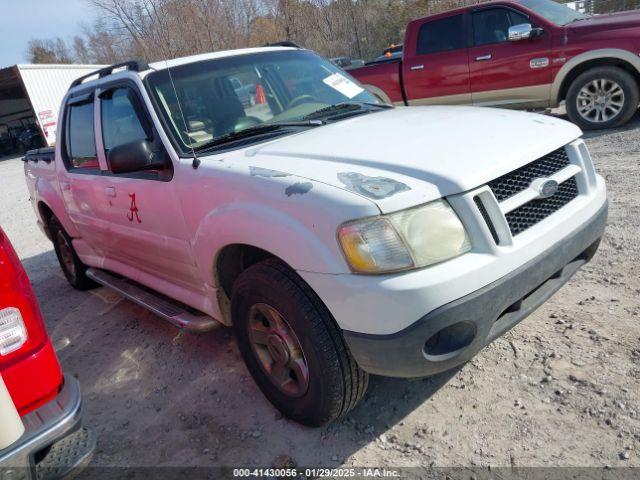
{"type": "Point", "coordinates": [266, 190]}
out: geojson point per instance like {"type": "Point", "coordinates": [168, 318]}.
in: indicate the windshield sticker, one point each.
{"type": "Point", "coordinates": [343, 85]}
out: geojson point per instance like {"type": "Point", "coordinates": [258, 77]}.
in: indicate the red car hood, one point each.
{"type": "Point", "coordinates": [608, 21]}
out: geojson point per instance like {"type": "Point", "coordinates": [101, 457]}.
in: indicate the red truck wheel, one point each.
{"type": "Point", "coordinates": [602, 97]}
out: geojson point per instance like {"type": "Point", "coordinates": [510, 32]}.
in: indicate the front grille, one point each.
{"type": "Point", "coordinates": [531, 213]}
{"type": "Point", "coordinates": [515, 182]}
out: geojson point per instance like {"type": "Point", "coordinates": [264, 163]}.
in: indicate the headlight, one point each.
{"type": "Point", "coordinates": [408, 239]}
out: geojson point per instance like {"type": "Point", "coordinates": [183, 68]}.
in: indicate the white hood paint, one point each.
{"type": "Point", "coordinates": [411, 155]}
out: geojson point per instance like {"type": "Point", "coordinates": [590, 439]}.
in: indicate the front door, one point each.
{"type": "Point", "coordinates": [147, 228]}
{"type": "Point", "coordinates": [435, 67]}
{"type": "Point", "coordinates": [503, 72]}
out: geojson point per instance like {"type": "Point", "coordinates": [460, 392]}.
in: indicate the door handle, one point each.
{"type": "Point", "coordinates": [483, 57]}
{"type": "Point", "coordinates": [65, 185]}
{"type": "Point", "coordinates": [417, 67]}
{"type": "Point", "coordinates": [110, 191]}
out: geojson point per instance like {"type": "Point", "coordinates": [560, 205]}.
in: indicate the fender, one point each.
{"type": "Point", "coordinates": [50, 195]}
{"type": "Point", "coordinates": [378, 92]}
{"type": "Point", "coordinates": [617, 53]}
{"type": "Point", "coordinates": [264, 227]}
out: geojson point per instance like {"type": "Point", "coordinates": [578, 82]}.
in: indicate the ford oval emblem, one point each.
{"type": "Point", "coordinates": [547, 188]}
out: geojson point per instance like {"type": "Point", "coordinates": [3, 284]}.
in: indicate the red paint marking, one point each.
{"type": "Point", "coordinates": [133, 209]}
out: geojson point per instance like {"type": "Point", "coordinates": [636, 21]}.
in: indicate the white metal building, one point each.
{"type": "Point", "coordinates": [30, 97]}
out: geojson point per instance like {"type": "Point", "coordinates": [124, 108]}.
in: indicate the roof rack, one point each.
{"type": "Point", "coordinates": [283, 43]}
{"type": "Point", "coordinates": [133, 65]}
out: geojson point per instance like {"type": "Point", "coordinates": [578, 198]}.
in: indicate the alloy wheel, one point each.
{"type": "Point", "coordinates": [600, 100]}
{"type": "Point", "coordinates": [278, 350]}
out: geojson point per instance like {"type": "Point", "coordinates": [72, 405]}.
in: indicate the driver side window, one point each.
{"type": "Point", "coordinates": [492, 25]}
{"type": "Point", "coordinates": [121, 118]}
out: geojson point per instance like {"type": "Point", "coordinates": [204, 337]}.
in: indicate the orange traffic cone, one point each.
{"type": "Point", "coordinates": [260, 96]}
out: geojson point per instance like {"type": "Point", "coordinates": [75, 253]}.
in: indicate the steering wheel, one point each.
{"type": "Point", "coordinates": [306, 98]}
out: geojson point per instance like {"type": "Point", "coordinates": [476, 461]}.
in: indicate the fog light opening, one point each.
{"type": "Point", "coordinates": [446, 343]}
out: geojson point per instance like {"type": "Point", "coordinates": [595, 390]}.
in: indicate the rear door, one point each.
{"type": "Point", "coordinates": [503, 72]}
{"type": "Point", "coordinates": [81, 180]}
{"type": "Point", "coordinates": [435, 66]}
{"type": "Point", "coordinates": [147, 228]}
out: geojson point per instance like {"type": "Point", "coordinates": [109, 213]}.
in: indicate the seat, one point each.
{"type": "Point", "coordinates": [494, 29]}
{"type": "Point", "coordinates": [224, 106]}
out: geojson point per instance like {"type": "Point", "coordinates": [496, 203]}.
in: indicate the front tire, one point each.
{"type": "Point", "coordinates": [74, 270]}
{"type": "Point", "coordinates": [292, 347]}
{"type": "Point", "coordinates": [602, 97]}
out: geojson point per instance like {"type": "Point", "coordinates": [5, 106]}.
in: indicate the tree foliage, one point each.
{"type": "Point", "coordinates": [159, 29]}
{"type": "Point", "coordinates": [48, 51]}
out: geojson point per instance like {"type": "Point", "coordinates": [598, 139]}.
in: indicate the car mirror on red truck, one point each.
{"type": "Point", "coordinates": [520, 32]}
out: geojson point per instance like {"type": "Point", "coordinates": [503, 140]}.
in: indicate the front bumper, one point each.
{"type": "Point", "coordinates": [455, 332]}
{"type": "Point", "coordinates": [54, 443]}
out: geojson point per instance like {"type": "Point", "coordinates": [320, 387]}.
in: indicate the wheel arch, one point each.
{"type": "Point", "coordinates": [238, 235]}
{"type": "Point", "coordinates": [595, 58]}
{"type": "Point", "coordinates": [49, 203]}
{"type": "Point", "coordinates": [378, 92]}
{"type": "Point", "coordinates": [235, 258]}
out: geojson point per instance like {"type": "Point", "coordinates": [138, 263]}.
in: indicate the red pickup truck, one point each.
{"type": "Point", "coordinates": [41, 436]}
{"type": "Point", "coordinates": [518, 54]}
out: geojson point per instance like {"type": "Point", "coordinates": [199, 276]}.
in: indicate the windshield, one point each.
{"type": "Point", "coordinates": [552, 11]}
{"type": "Point", "coordinates": [229, 95]}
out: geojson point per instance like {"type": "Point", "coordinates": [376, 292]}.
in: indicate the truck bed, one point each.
{"type": "Point", "coordinates": [39, 166]}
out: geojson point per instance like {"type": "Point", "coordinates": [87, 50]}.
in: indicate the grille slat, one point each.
{"type": "Point", "coordinates": [486, 218]}
{"type": "Point", "coordinates": [531, 213]}
{"type": "Point", "coordinates": [515, 182]}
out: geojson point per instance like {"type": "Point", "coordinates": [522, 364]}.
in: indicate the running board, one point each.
{"type": "Point", "coordinates": [157, 303]}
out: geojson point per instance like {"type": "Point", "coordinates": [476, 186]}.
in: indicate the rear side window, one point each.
{"type": "Point", "coordinates": [441, 35]}
{"type": "Point", "coordinates": [122, 120]}
{"type": "Point", "coordinates": [81, 146]}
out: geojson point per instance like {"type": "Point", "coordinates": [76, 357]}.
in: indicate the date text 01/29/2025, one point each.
{"type": "Point", "coordinates": [316, 472]}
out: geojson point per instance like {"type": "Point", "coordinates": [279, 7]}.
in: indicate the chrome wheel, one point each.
{"type": "Point", "coordinates": [278, 350]}
{"type": "Point", "coordinates": [600, 100]}
{"type": "Point", "coordinates": [66, 254]}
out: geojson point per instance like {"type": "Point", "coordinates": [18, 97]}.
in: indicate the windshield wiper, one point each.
{"type": "Point", "coordinates": [345, 109]}
{"type": "Point", "coordinates": [254, 131]}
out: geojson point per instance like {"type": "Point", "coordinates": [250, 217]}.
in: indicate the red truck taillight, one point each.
{"type": "Point", "coordinates": [22, 329]}
{"type": "Point", "coordinates": [13, 333]}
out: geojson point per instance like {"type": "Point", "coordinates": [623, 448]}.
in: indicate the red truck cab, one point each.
{"type": "Point", "coordinates": [518, 54]}
{"type": "Point", "coordinates": [40, 418]}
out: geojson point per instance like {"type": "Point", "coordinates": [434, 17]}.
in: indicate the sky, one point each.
{"type": "Point", "coordinates": [22, 20]}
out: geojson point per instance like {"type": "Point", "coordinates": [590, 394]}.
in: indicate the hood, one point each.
{"type": "Point", "coordinates": [610, 21]}
{"type": "Point", "coordinates": [411, 155]}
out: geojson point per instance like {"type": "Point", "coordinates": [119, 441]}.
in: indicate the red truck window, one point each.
{"type": "Point", "coordinates": [81, 146]}
{"type": "Point", "coordinates": [441, 35]}
{"type": "Point", "coordinates": [492, 25]}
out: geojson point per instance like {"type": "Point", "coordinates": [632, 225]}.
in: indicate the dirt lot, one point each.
{"type": "Point", "coordinates": [561, 389]}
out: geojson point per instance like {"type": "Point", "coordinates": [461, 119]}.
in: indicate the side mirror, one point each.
{"type": "Point", "coordinates": [133, 157]}
{"type": "Point", "coordinates": [520, 32]}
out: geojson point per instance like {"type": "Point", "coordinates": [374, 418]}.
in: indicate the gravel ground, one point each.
{"type": "Point", "coordinates": [561, 389]}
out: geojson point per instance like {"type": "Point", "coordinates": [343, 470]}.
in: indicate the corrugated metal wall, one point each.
{"type": "Point", "coordinates": [46, 85]}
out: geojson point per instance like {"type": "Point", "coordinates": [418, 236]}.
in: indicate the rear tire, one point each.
{"type": "Point", "coordinates": [602, 97]}
{"type": "Point", "coordinates": [292, 346]}
{"type": "Point", "coordinates": [74, 270]}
